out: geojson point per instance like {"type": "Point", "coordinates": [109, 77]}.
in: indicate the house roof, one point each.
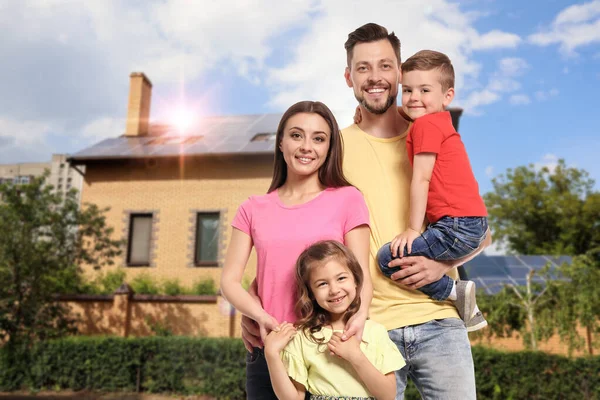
{"type": "Point", "coordinates": [225, 135]}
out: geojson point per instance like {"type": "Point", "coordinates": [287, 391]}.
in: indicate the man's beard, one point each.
{"type": "Point", "coordinates": [377, 110]}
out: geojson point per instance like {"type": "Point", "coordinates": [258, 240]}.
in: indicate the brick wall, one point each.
{"type": "Point", "coordinates": [174, 189]}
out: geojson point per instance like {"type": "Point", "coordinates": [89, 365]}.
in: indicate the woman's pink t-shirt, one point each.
{"type": "Point", "coordinates": [280, 233]}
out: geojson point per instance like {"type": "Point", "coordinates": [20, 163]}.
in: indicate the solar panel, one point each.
{"type": "Point", "coordinates": [491, 273]}
{"type": "Point", "coordinates": [214, 135]}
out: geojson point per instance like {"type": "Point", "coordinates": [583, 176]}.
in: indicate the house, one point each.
{"type": "Point", "coordinates": [172, 194]}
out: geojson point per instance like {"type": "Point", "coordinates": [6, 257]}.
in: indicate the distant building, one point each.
{"type": "Point", "coordinates": [62, 176]}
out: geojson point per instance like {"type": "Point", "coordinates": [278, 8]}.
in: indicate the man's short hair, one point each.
{"type": "Point", "coordinates": [427, 60]}
{"type": "Point", "coordinates": [370, 33]}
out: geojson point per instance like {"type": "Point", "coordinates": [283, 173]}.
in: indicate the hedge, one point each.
{"type": "Point", "coordinates": [215, 367]}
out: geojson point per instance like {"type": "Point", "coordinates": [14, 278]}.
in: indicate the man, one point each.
{"type": "Point", "coordinates": [429, 334]}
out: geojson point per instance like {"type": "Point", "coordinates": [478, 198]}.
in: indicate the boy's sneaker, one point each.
{"type": "Point", "coordinates": [465, 299]}
{"type": "Point", "coordinates": [477, 322]}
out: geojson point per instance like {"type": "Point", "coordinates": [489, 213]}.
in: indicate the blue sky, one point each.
{"type": "Point", "coordinates": [528, 72]}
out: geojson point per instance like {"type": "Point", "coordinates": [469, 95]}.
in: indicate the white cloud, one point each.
{"type": "Point", "coordinates": [502, 80]}
{"type": "Point", "coordinates": [519, 99]}
{"type": "Point", "coordinates": [23, 141]}
{"type": "Point", "coordinates": [478, 99]}
{"type": "Point", "coordinates": [575, 26]}
{"type": "Point", "coordinates": [22, 132]}
{"type": "Point", "coordinates": [549, 161]}
{"type": "Point", "coordinates": [319, 53]}
{"type": "Point", "coordinates": [513, 66]}
{"type": "Point", "coordinates": [294, 49]}
{"type": "Point", "coordinates": [489, 171]}
{"type": "Point", "coordinates": [103, 128]}
{"type": "Point", "coordinates": [543, 95]}
{"type": "Point", "coordinates": [495, 39]}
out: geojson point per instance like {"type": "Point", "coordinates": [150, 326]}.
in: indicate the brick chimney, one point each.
{"type": "Point", "coordinates": [138, 110]}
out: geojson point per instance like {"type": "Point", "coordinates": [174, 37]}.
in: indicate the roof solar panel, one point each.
{"type": "Point", "coordinates": [220, 135]}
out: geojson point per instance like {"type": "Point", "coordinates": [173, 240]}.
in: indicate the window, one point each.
{"type": "Point", "coordinates": [207, 238]}
{"type": "Point", "coordinates": [140, 237]}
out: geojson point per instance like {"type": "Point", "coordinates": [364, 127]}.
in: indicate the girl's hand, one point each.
{"type": "Point", "coordinates": [347, 350]}
{"type": "Point", "coordinates": [266, 325]}
{"type": "Point", "coordinates": [406, 238]}
{"type": "Point", "coordinates": [276, 340]}
{"type": "Point", "coordinates": [355, 326]}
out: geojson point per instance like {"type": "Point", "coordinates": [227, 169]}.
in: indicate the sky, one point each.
{"type": "Point", "coordinates": [528, 72]}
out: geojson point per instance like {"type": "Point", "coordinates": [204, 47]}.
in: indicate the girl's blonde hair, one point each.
{"type": "Point", "coordinates": [311, 316]}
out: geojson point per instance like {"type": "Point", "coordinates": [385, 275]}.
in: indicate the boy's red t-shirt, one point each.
{"type": "Point", "coordinates": [453, 190]}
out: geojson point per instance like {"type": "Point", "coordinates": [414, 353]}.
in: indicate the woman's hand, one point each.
{"type": "Point", "coordinates": [355, 326]}
{"type": "Point", "coordinates": [267, 324]}
{"type": "Point", "coordinates": [276, 340]}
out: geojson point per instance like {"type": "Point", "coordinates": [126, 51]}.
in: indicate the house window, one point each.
{"type": "Point", "coordinates": [140, 238]}
{"type": "Point", "coordinates": [207, 238]}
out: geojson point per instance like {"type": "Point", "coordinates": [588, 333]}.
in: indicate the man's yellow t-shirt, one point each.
{"type": "Point", "coordinates": [380, 169]}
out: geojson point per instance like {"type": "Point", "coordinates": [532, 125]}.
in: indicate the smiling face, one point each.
{"type": "Point", "coordinates": [305, 144]}
{"type": "Point", "coordinates": [374, 75]}
{"type": "Point", "coordinates": [422, 93]}
{"type": "Point", "coordinates": [333, 287]}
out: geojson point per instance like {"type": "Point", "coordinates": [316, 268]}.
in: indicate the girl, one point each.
{"type": "Point", "coordinates": [329, 280]}
{"type": "Point", "coordinates": [308, 200]}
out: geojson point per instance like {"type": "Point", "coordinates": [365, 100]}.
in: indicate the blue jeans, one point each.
{"type": "Point", "coordinates": [438, 360]}
{"type": "Point", "coordinates": [258, 380]}
{"type": "Point", "coordinates": [450, 238]}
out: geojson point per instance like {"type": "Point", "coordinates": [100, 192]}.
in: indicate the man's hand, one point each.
{"type": "Point", "coordinates": [344, 349]}
{"type": "Point", "coordinates": [250, 334]}
{"type": "Point", "coordinates": [406, 238]}
{"type": "Point", "coordinates": [357, 115]}
{"type": "Point", "coordinates": [418, 271]}
{"type": "Point", "coordinates": [355, 326]}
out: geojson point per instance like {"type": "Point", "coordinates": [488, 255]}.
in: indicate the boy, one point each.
{"type": "Point", "coordinates": [443, 186]}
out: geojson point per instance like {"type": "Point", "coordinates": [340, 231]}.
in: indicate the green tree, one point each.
{"type": "Point", "coordinates": [44, 238]}
{"type": "Point", "coordinates": [548, 212]}
{"type": "Point", "coordinates": [544, 211]}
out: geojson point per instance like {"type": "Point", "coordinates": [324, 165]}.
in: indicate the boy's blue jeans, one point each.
{"type": "Point", "coordinates": [450, 238]}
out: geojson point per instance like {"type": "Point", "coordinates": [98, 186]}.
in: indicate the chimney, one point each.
{"type": "Point", "coordinates": [138, 110]}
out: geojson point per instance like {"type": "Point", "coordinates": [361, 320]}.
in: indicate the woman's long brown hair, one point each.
{"type": "Point", "coordinates": [330, 173]}
{"type": "Point", "coordinates": [311, 316]}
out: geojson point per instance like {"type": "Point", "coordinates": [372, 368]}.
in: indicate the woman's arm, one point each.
{"type": "Point", "coordinates": [237, 256]}
{"type": "Point", "coordinates": [357, 240]}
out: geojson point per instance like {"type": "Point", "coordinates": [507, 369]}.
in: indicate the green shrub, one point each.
{"type": "Point", "coordinates": [205, 287]}
{"type": "Point", "coordinates": [145, 284]}
{"type": "Point", "coordinates": [216, 367]}
{"type": "Point", "coordinates": [172, 287]}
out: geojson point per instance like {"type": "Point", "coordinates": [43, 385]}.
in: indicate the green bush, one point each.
{"type": "Point", "coordinates": [215, 367]}
{"type": "Point", "coordinates": [145, 284]}
{"type": "Point", "coordinates": [212, 366]}
{"type": "Point", "coordinates": [205, 287]}
{"type": "Point", "coordinates": [172, 287]}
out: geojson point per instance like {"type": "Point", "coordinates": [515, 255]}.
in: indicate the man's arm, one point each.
{"type": "Point", "coordinates": [419, 271]}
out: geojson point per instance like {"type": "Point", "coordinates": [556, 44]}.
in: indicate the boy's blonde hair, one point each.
{"type": "Point", "coordinates": [426, 60]}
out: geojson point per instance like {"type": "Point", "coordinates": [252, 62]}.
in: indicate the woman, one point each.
{"type": "Point", "coordinates": [309, 200]}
